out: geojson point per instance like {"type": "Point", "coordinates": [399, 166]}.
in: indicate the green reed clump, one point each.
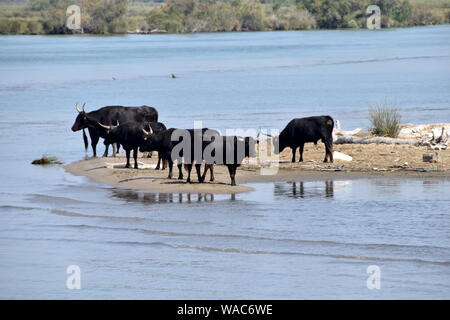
{"type": "Point", "coordinates": [385, 120]}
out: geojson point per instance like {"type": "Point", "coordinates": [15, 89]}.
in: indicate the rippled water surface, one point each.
{"type": "Point", "coordinates": [301, 239]}
{"type": "Point", "coordinates": [285, 240]}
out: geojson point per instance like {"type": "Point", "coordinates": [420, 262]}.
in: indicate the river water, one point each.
{"type": "Point", "coordinates": [302, 239]}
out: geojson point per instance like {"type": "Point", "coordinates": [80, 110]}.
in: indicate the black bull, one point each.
{"type": "Point", "coordinates": [302, 130]}
{"type": "Point", "coordinates": [111, 115]}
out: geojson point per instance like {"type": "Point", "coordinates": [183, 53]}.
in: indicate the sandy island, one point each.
{"type": "Point", "coordinates": [371, 160]}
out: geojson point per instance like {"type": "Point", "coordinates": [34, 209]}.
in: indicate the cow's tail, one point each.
{"type": "Point", "coordinates": [330, 123]}
{"type": "Point", "coordinates": [86, 141]}
{"type": "Point", "coordinates": [330, 128]}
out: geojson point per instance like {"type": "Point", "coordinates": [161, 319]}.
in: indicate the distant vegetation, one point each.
{"type": "Point", "coordinates": [49, 17]}
{"type": "Point", "coordinates": [178, 16]}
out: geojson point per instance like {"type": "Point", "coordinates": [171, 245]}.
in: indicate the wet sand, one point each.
{"type": "Point", "coordinates": [374, 160]}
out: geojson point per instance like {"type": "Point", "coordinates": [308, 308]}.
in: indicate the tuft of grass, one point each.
{"type": "Point", "coordinates": [385, 119]}
{"type": "Point", "coordinates": [46, 161]}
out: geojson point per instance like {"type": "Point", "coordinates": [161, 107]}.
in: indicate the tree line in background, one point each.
{"type": "Point", "coordinates": [178, 16]}
{"type": "Point", "coordinates": [49, 17]}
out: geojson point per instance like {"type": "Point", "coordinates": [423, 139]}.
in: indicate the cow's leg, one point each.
{"type": "Point", "coordinates": [135, 154]}
{"type": "Point", "coordinates": [189, 169]}
{"type": "Point", "coordinates": [294, 150]}
{"type": "Point", "coordinates": [330, 147]}
{"type": "Point", "coordinates": [328, 152]}
{"type": "Point", "coordinates": [105, 154]}
{"type": "Point", "coordinates": [211, 171]}
{"type": "Point", "coordinates": [94, 141]}
{"type": "Point", "coordinates": [170, 168]}
{"type": "Point", "coordinates": [159, 161]}
{"type": "Point", "coordinates": [204, 172]}
{"type": "Point", "coordinates": [301, 152]}
{"type": "Point", "coordinates": [232, 172]}
{"type": "Point", "coordinates": [209, 167]}
{"type": "Point", "coordinates": [114, 151]}
{"type": "Point", "coordinates": [198, 168]}
{"type": "Point", "coordinates": [234, 176]}
{"type": "Point", "coordinates": [164, 164]}
{"type": "Point", "coordinates": [128, 158]}
{"type": "Point", "coordinates": [180, 170]}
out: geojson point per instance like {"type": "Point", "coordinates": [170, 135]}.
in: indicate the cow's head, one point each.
{"type": "Point", "coordinates": [148, 137]}
{"type": "Point", "coordinates": [81, 122]}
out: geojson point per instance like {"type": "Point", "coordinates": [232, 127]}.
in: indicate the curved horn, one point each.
{"type": "Point", "coordinates": [103, 126]}
{"type": "Point", "coordinates": [78, 109]}
{"type": "Point", "coordinates": [148, 132]}
{"type": "Point", "coordinates": [82, 108]}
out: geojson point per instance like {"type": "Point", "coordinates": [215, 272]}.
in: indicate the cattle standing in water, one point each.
{"type": "Point", "coordinates": [109, 116]}
{"type": "Point", "coordinates": [302, 130]}
{"type": "Point", "coordinates": [166, 141]}
{"type": "Point", "coordinates": [230, 151]}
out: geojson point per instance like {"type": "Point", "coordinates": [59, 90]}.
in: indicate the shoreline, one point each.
{"type": "Point", "coordinates": [110, 171]}
{"type": "Point", "coordinates": [149, 33]}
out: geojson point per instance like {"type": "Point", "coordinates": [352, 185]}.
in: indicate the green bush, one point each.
{"type": "Point", "coordinates": [251, 15]}
{"type": "Point", "coordinates": [223, 17]}
{"type": "Point", "coordinates": [35, 27]}
{"type": "Point", "coordinates": [290, 19]}
{"type": "Point", "coordinates": [158, 19]}
{"type": "Point", "coordinates": [385, 120]}
{"type": "Point", "coordinates": [424, 16]}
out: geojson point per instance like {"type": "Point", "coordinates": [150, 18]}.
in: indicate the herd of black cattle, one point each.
{"type": "Point", "coordinates": [137, 128]}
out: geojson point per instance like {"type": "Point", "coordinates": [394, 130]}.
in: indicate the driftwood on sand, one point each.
{"type": "Point", "coordinates": [385, 140]}
{"type": "Point", "coordinates": [418, 136]}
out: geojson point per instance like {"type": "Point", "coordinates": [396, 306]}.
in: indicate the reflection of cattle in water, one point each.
{"type": "Point", "coordinates": [298, 189]}
{"type": "Point", "coordinates": [149, 198]}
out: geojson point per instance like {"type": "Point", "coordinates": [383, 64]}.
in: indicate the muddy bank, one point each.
{"type": "Point", "coordinates": [372, 160]}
